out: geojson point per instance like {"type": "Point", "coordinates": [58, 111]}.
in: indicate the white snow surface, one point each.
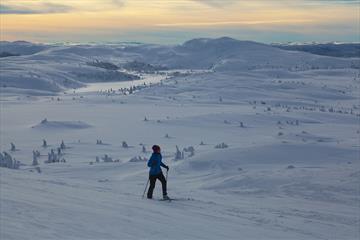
{"type": "Point", "coordinates": [291, 122]}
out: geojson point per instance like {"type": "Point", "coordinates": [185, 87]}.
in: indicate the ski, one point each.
{"type": "Point", "coordinates": [177, 199]}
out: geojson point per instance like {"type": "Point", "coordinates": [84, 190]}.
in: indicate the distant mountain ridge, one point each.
{"type": "Point", "coordinates": [58, 67]}
{"type": "Point", "coordinates": [334, 49]}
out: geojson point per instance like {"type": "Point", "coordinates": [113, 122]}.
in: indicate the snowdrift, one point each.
{"type": "Point", "coordinates": [61, 125]}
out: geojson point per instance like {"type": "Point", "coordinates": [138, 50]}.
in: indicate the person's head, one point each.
{"type": "Point", "coordinates": [156, 148]}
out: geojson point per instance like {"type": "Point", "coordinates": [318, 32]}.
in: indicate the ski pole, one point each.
{"type": "Point", "coordinates": [146, 187]}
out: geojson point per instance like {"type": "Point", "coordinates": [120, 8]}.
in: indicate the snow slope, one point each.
{"type": "Point", "coordinates": [290, 169]}
{"type": "Point", "coordinates": [56, 68]}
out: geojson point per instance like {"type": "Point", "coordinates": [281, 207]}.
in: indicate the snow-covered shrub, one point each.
{"type": "Point", "coordinates": [124, 144]}
{"type": "Point", "coordinates": [38, 169]}
{"type": "Point", "coordinates": [221, 146]}
{"type": "Point", "coordinates": [290, 167]}
{"type": "Point", "coordinates": [35, 160]}
{"type": "Point", "coordinates": [202, 143]}
{"type": "Point", "coordinates": [190, 150]}
{"type": "Point", "coordinates": [280, 134]}
{"type": "Point", "coordinates": [62, 145]}
{"type": "Point", "coordinates": [167, 136]}
{"type": "Point", "coordinates": [52, 157]}
{"type": "Point", "coordinates": [106, 158]}
{"type": "Point", "coordinates": [13, 148]}
{"type": "Point", "coordinates": [145, 119]}
{"type": "Point", "coordinates": [99, 142]}
{"type": "Point", "coordinates": [178, 154]}
{"type": "Point", "coordinates": [138, 159]}
{"type": "Point", "coordinates": [16, 164]}
{"type": "Point", "coordinates": [2, 160]}
{"type": "Point", "coordinates": [242, 125]}
{"type": "Point", "coordinates": [7, 161]}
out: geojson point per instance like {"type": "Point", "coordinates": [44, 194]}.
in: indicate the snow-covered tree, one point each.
{"type": "Point", "coordinates": [124, 144]}
{"type": "Point", "coordinates": [13, 148]}
{"type": "Point", "coordinates": [52, 157]}
{"type": "Point", "coordinates": [16, 164]}
{"type": "Point", "coordinates": [143, 149]}
{"type": "Point", "coordinates": [137, 159]}
{"type": "Point", "coordinates": [7, 161]}
{"type": "Point", "coordinates": [106, 158]}
{"type": "Point", "coordinates": [35, 160]}
{"type": "Point", "coordinates": [2, 160]}
{"type": "Point", "coordinates": [44, 143]}
{"type": "Point", "coordinates": [221, 145]}
{"type": "Point", "coordinates": [190, 150]}
{"type": "Point", "coordinates": [62, 145]}
{"type": "Point", "coordinates": [178, 154]}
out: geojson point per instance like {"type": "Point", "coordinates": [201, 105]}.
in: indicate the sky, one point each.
{"type": "Point", "coordinates": [175, 21]}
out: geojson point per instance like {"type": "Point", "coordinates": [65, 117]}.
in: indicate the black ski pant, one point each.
{"type": "Point", "coordinates": [152, 179]}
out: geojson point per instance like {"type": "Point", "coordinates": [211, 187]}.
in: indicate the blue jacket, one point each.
{"type": "Point", "coordinates": [154, 164]}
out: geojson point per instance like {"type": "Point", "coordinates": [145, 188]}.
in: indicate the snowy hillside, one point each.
{"type": "Point", "coordinates": [57, 68]}
{"type": "Point", "coordinates": [22, 47]}
{"type": "Point", "coordinates": [326, 49]}
{"type": "Point", "coordinates": [262, 143]}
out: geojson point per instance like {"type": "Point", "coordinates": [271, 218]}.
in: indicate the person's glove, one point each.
{"type": "Point", "coordinates": [167, 168]}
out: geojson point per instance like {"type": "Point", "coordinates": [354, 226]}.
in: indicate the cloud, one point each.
{"type": "Point", "coordinates": [224, 3]}
{"type": "Point", "coordinates": [42, 8]}
{"type": "Point", "coordinates": [335, 1]}
{"type": "Point", "coordinates": [216, 3]}
{"type": "Point", "coordinates": [233, 23]}
{"type": "Point", "coordinates": [118, 3]}
{"type": "Point", "coordinates": [49, 6]}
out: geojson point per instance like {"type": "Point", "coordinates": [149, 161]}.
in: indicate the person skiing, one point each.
{"type": "Point", "coordinates": [155, 163]}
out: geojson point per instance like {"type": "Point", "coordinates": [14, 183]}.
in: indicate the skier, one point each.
{"type": "Point", "coordinates": [155, 172]}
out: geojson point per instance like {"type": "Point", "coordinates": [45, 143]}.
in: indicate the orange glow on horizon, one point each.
{"type": "Point", "coordinates": [101, 16]}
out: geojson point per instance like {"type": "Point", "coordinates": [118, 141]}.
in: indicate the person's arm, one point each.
{"type": "Point", "coordinates": [164, 166]}
{"type": "Point", "coordinates": [151, 161]}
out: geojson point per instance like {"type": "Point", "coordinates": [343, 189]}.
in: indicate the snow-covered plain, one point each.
{"type": "Point", "coordinates": [290, 121]}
